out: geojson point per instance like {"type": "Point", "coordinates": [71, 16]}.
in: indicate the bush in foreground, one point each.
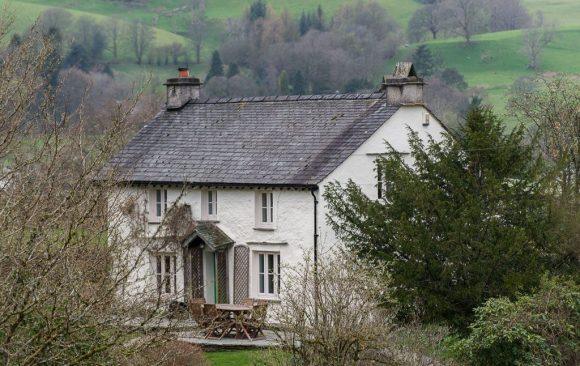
{"type": "Point", "coordinates": [540, 329]}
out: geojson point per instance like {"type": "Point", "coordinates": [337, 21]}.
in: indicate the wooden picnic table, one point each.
{"type": "Point", "coordinates": [236, 312]}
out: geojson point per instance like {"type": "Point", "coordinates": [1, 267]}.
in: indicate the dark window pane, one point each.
{"type": "Point", "coordinates": [271, 283]}
{"type": "Point", "coordinates": [278, 283]}
{"type": "Point", "coordinates": [164, 200]}
{"type": "Point", "coordinates": [261, 260]}
{"type": "Point", "coordinates": [209, 203]}
{"type": "Point", "coordinates": [271, 207]}
{"type": "Point", "coordinates": [158, 202]}
{"type": "Point", "coordinates": [261, 272]}
{"type": "Point", "coordinates": [167, 274]}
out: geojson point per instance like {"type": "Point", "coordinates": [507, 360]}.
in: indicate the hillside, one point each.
{"type": "Point", "coordinates": [493, 62]}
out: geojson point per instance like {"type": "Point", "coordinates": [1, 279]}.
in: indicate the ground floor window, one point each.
{"type": "Point", "coordinates": [166, 273]}
{"type": "Point", "coordinates": [268, 274]}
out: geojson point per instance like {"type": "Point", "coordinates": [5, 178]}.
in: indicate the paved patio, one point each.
{"type": "Point", "coordinates": [269, 340]}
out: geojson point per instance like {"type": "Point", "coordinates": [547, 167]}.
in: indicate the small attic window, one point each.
{"type": "Point", "coordinates": [426, 119]}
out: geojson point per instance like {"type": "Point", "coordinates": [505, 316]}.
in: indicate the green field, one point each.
{"type": "Point", "coordinates": [493, 62]}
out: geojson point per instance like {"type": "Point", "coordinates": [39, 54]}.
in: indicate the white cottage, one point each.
{"type": "Point", "coordinates": [254, 171]}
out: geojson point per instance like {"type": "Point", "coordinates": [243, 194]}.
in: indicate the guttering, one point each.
{"type": "Point", "coordinates": [315, 228]}
{"type": "Point", "coordinates": [316, 293]}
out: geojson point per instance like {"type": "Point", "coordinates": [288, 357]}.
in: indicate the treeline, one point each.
{"type": "Point", "coordinates": [465, 18]}
{"type": "Point", "coordinates": [312, 53]}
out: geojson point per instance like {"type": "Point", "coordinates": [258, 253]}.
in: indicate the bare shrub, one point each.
{"type": "Point", "coordinates": [62, 266]}
{"type": "Point", "coordinates": [329, 314]}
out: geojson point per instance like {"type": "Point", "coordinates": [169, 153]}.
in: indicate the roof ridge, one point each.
{"type": "Point", "coordinates": [287, 98]}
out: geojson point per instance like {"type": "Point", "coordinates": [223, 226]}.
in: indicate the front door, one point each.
{"type": "Point", "coordinates": [193, 269]}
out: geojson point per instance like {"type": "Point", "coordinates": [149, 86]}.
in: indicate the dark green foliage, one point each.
{"type": "Point", "coordinates": [539, 329]}
{"type": "Point", "coordinates": [257, 10]}
{"type": "Point", "coordinates": [355, 85]}
{"type": "Point", "coordinates": [298, 83]}
{"type": "Point", "coordinates": [425, 62]}
{"type": "Point", "coordinates": [463, 225]}
{"type": "Point", "coordinates": [311, 20]}
{"type": "Point", "coordinates": [216, 68]}
{"type": "Point", "coordinates": [453, 77]}
{"type": "Point", "coordinates": [233, 70]}
{"type": "Point", "coordinates": [283, 83]}
{"type": "Point", "coordinates": [78, 57]}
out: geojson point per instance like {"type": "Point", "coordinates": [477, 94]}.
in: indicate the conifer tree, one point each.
{"type": "Point", "coordinates": [424, 61]}
{"type": "Point", "coordinates": [298, 83]}
{"type": "Point", "coordinates": [283, 83]}
{"type": "Point", "coordinates": [216, 68]}
{"type": "Point", "coordinates": [464, 224]}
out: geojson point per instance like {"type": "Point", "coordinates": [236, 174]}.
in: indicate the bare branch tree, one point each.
{"type": "Point", "coordinates": [63, 268]}
{"type": "Point", "coordinates": [467, 17]}
{"type": "Point", "coordinates": [140, 37]}
{"type": "Point", "coordinates": [536, 38]}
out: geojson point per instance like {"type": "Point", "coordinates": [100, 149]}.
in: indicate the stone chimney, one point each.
{"type": "Point", "coordinates": [182, 89]}
{"type": "Point", "coordinates": [404, 86]}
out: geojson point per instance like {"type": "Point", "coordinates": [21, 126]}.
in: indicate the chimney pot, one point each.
{"type": "Point", "coordinates": [183, 72]}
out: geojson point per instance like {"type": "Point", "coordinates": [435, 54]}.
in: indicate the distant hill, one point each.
{"type": "Point", "coordinates": [493, 62]}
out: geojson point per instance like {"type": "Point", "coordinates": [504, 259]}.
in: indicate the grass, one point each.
{"type": "Point", "coordinates": [243, 358]}
{"type": "Point", "coordinates": [495, 60]}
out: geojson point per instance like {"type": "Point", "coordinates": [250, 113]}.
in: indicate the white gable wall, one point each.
{"type": "Point", "coordinates": [360, 166]}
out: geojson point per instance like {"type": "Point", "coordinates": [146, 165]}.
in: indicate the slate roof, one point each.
{"type": "Point", "coordinates": [269, 141]}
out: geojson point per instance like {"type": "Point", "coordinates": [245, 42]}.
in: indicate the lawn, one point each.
{"type": "Point", "coordinates": [242, 358]}
{"type": "Point", "coordinates": [495, 60]}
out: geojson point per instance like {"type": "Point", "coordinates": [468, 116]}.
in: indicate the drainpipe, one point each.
{"type": "Point", "coordinates": [316, 294]}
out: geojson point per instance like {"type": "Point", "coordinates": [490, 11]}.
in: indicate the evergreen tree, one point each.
{"type": "Point", "coordinates": [78, 57]}
{"type": "Point", "coordinates": [298, 83]}
{"type": "Point", "coordinates": [424, 61]}
{"type": "Point", "coordinates": [257, 10]}
{"type": "Point", "coordinates": [464, 224]}
{"type": "Point", "coordinates": [304, 24]}
{"type": "Point", "coordinates": [319, 24]}
{"type": "Point", "coordinates": [216, 67]}
{"type": "Point", "coordinates": [283, 83]}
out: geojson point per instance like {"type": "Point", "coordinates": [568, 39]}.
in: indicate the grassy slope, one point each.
{"type": "Point", "coordinates": [506, 61]}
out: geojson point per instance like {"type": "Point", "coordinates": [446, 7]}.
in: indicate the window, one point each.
{"type": "Point", "coordinates": [209, 204]}
{"type": "Point", "coordinates": [268, 274]}
{"type": "Point", "coordinates": [427, 119]}
{"type": "Point", "coordinates": [265, 209]}
{"type": "Point", "coordinates": [158, 204]}
{"type": "Point", "coordinates": [166, 274]}
{"type": "Point", "coordinates": [380, 183]}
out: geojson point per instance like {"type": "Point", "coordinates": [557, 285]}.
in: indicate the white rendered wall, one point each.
{"type": "Point", "coordinates": [360, 166]}
{"type": "Point", "coordinates": [293, 231]}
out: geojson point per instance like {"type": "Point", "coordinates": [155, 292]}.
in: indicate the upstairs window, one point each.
{"type": "Point", "coordinates": [380, 183]}
{"type": "Point", "coordinates": [158, 205]}
{"type": "Point", "coordinates": [265, 210]}
{"type": "Point", "coordinates": [209, 205]}
{"type": "Point", "coordinates": [166, 273]}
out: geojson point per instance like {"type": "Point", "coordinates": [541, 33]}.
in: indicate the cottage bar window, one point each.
{"type": "Point", "coordinates": [158, 204]}
{"type": "Point", "coordinates": [166, 273]}
{"type": "Point", "coordinates": [267, 214]}
{"type": "Point", "coordinates": [209, 205]}
{"type": "Point", "coordinates": [268, 274]}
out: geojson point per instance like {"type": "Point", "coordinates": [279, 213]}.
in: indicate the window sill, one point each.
{"type": "Point", "coordinates": [264, 228]}
{"type": "Point", "coordinates": [211, 221]}
{"type": "Point", "coordinates": [273, 300]}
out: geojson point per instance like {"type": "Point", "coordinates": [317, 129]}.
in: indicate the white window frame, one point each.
{"type": "Point", "coordinates": [165, 278]}
{"type": "Point", "coordinates": [268, 277]}
{"type": "Point", "coordinates": [158, 204]}
{"type": "Point", "coordinates": [265, 210]}
{"type": "Point", "coordinates": [380, 182]}
{"type": "Point", "coordinates": [209, 206]}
